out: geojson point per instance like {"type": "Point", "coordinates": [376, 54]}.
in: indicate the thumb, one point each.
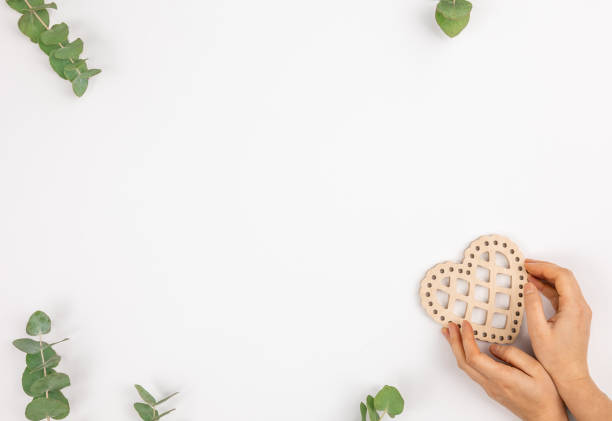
{"type": "Point", "coordinates": [535, 313]}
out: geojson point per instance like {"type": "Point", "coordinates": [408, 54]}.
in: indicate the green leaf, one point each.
{"type": "Point", "coordinates": [389, 400]}
{"type": "Point", "coordinates": [59, 396]}
{"type": "Point", "coordinates": [146, 396]}
{"type": "Point", "coordinates": [45, 6]}
{"type": "Point", "coordinates": [39, 323]}
{"type": "Point", "coordinates": [56, 34]}
{"type": "Point", "coordinates": [28, 378]}
{"type": "Point", "coordinates": [34, 361]}
{"type": "Point", "coordinates": [55, 381]}
{"type": "Point", "coordinates": [48, 49]}
{"type": "Point", "coordinates": [71, 50]}
{"type": "Point", "coordinates": [91, 72]}
{"type": "Point", "coordinates": [164, 414]}
{"type": "Point", "coordinates": [451, 27]}
{"type": "Point", "coordinates": [32, 27]}
{"type": "Point", "coordinates": [364, 411]}
{"type": "Point", "coordinates": [79, 85]}
{"type": "Point", "coordinates": [370, 405]}
{"type": "Point", "coordinates": [146, 412]}
{"type": "Point", "coordinates": [59, 65]}
{"type": "Point", "coordinates": [27, 345]}
{"type": "Point", "coordinates": [41, 408]}
{"type": "Point", "coordinates": [74, 69]}
{"type": "Point", "coordinates": [165, 399]}
{"type": "Point", "coordinates": [21, 6]}
{"type": "Point", "coordinates": [454, 9]}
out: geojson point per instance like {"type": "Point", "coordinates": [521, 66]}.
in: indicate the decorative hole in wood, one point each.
{"type": "Point", "coordinates": [486, 289]}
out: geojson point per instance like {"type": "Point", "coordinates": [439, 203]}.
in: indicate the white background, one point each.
{"type": "Point", "coordinates": [243, 204]}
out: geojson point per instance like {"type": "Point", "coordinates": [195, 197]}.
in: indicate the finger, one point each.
{"type": "Point", "coordinates": [536, 318]}
{"type": "Point", "coordinates": [454, 338]}
{"type": "Point", "coordinates": [549, 291]}
{"type": "Point", "coordinates": [561, 278]}
{"type": "Point", "coordinates": [517, 358]}
{"type": "Point", "coordinates": [480, 362]}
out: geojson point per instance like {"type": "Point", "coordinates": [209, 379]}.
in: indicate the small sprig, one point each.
{"type": "Point", "coordinates": [64, 56]}
{"type": "Point", "coordinates": [453, 16]}
{"type": "Point", "coordinates": [387, 401]}
{"type": "Point", "coordinates": [39, 380]}
{"type": "Point", "coordinates": [148, 410]}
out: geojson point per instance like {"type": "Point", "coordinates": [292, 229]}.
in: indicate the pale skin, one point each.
{"type": "Point", "coordinates": [539, 389]}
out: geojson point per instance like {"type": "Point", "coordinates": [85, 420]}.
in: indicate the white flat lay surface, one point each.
{"type": "Point", "coordinates": [243, 204]}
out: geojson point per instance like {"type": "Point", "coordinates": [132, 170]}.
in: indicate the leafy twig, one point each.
{"type": "Point", "coordinates": [39, 380]}
{"type": "Point", "coordinates": [64, 56]}
{"type": "Point", "coordinates": [148, 410]}
{"type": "Point", "coordinates": [387, 401]}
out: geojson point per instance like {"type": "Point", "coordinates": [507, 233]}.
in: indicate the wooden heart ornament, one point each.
{"type": "Point", "coordinates": [486, 289]}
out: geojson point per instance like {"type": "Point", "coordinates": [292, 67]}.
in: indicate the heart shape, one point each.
{"type": "Point", "coordinates": [486, 289]}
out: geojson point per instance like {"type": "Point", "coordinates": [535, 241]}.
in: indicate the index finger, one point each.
{"type": "Point", "coordinates": [563, 280]}
{"type": "Point", "coordinates": [480, 362]}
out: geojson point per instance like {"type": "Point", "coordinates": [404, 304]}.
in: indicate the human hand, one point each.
{"type": "Point", "coordinates": [523, 386]}
{"type": "Point", "coordinates": [561, 342]}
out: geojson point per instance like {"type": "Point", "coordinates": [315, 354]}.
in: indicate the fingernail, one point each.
{"type": "Point", "coordinates": [530, 288]}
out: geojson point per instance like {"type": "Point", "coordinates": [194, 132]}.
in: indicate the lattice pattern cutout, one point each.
{"type": "Point", "coordinates": [486, 289]}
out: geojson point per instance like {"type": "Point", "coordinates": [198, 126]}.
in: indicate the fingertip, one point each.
{"type": "Point", "coordinates": [530, 288]}
{"type": "Point", "coordinates": [445, 333]}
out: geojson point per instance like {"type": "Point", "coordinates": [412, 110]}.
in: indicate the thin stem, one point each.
{"type": "Point", "coordinates": [42, 354]}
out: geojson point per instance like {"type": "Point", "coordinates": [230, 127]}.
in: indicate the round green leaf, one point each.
{"type": "Point", "coordinates": [146, 412]}
{"type": "Point", "coordinates": [146, 396]}
{"type": "Point", "coordinates": [59, 396]}
{"type": "Point", "coordinates": [55, 381]}
{"type": "Point", "coordinates": [31, 26]}
{"type": "Point", "coordinates": [79, 85]}
{"type": "Point", "coordinates": [27, 345]}
{"type": "Point", "coordinates": [56, 34]}
{"type": "Point", "coordinates": [454, 9]}
{"type": "Point", "coordinates": [48, 49]}
{"type": "Point", "coordinates": [41, 408]}
{"type": "Point", "coordinates": [371, 410]}
{"type": "Point", "coordinates": [71, 50]}
{"type": "Point", "coordinates": [451, 27]}
{"type": "Point", "coordinates": [389, 400]}
{"type": "Point", "coordinates": [39, 324]}
{"type": "Point", "coordinates": [35, 360]}
{"type": "Point", "coordinates": [28, 378]}
{"type": "Point", "coordinates": [21, 6]}
{"type": "Point", "coordinates": [74, 69]}
{"type": "Point", "coordinates": [59, 65]}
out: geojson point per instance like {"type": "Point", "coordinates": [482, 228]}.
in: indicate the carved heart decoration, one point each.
{"type": "Point", "coordinates": [486, 289]}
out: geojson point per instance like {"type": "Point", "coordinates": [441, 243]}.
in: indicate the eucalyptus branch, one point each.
{"type": "Point", "coordinates": [148, 410]}
{"type": "Point", "coordinates": [453, 15]}
{"type": "Point", "coordinates": [39, 380]}
{"type": "Point", "coordinates": [64, 56]}
{"type": "Point", "coordinates": [387, 401]}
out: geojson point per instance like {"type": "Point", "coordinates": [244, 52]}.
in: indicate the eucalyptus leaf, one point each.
{"type": "Point", "coordinates": [389, 400]}
{"type": "Point", "coordinates": [59, 396]}
{"type": "Point", "coordinates": [146, 396]}
{"type": "Point", "coordinates": [54, 35]}
{"type": "Point", "coordinates": [21, 6]}
{"type": "Point", "coordinates": [55, 381]}
{"type": "Point", "coordinates": [71, 50]}
{"type": "Point", "coordinates": [45, 6]}
{"type": "Point", "coordinates": [48, 49]}
{"type": "Point", "coordinates": [28, 378]}
{"type": "Point", "coordinates": [59, 65]}
{"type": "Point", "coordinates": [31, 25]}
{"type": "Point", "coordinates": [454, 9]}
{"type": "Point", "coordinates": [371, 410]}
{"type": "Point", "coordinates": [27, 345]}
{"type": "Point", "coordinates": [165, 399]}
{"type": "Point", "coordinates": [451, 27]}
{"type": "Point", "coordinates": [146, 412]}
{"type": "Point", "coordinates": [79, 85]}
{"type": "Point", "coordinates": [39, 323]}
{"type": "Point", "coordinates": [364, 411]}
{"type": "Point", "coordinates": [49, 363]}
{"type": "Point", "coordinates": [92, 72]}
{"type": "Point", "coordinates": [164, 414]}
{"type": "Point", "coordinates": [74, 69]}
{"type": "Point", "coordinates": [41, 408]}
